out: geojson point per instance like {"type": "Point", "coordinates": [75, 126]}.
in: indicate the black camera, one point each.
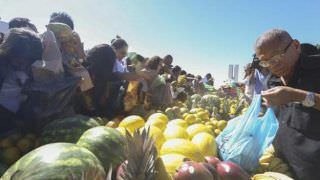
{"type": "Point", "coordinates": [255, 62]}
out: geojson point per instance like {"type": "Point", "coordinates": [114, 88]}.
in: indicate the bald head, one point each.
{"type": "Point", "coordinates": [278, 51]}
{"type": "Point", "coordinates": [275, 38]}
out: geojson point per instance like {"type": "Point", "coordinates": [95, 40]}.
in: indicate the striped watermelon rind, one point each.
{"type": "Point", "coordinates": [106, 143]}
{"type": "Point", "coordinates": [67, 130]}
{"type": "Point", "coordinates": [57, 161]}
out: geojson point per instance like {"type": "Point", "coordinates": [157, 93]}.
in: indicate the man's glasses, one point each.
{"type": "Point", "coordinates": [275, 59]}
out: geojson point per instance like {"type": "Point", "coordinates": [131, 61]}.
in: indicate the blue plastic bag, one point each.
{"type": "Point", "coordinates": [246, 137]}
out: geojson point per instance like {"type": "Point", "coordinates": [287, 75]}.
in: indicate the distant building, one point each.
{"type": "Point", "coordinates": [230, 72]}
{"type": "Point", "coordinates": [233, 73]}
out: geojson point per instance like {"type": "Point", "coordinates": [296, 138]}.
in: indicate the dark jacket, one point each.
{"type": "Point", "coordinates": [298, 138]}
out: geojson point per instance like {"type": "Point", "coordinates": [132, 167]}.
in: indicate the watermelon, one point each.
{"type": "Point", "coordinates": [106, 143]}
{"type": "Point", "coordinates": [57, 161]}
{"type": "Point", "coordinates": [67, 130]}
{"type": "Point", "coordinates": [102, 121]}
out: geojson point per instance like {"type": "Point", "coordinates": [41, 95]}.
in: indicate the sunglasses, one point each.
{"type": "Point", "coordinates": [275, 59]}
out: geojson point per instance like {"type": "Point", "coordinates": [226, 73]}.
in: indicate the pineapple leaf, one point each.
{"type": "Point", "coordinates": [141, 157]}
{"type": "Point", "coordinates": [109, 175]}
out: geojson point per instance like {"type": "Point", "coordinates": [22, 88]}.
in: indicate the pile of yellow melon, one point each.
{"type": "Point", "coordinates": [192, 137]}
{"type": "Point", "coordinates": [16, 145]}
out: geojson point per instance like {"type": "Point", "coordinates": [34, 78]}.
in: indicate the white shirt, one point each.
{"type": "Point", "coordinates": [120, 66]}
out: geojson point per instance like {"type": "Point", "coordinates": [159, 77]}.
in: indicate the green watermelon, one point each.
{"type": "Point", "coordinates": [61, 161]}
{"type": "Point", "coordinates": [67, 130]}
{"type": "Point", "coordinates": [106, 143]}
{"type": "Point", "coordinates": [102, 121]}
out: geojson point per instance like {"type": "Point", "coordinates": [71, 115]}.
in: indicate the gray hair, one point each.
{"type": "Point", "coordinates": [277, 36]}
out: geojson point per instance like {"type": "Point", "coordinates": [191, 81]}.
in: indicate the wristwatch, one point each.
{"type": "Point", "coordinates": [309, 101]}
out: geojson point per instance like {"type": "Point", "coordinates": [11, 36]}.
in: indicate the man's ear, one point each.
{"type": "Point", "coordinates": [296, 44]}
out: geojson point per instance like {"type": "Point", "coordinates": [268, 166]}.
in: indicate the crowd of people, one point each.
{"type": "Point", "coordinates": [49, 75]}
{"type": "Point", "coordinates": [44, 76]}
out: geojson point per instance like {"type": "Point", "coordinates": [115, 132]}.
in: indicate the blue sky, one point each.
{"type": "Point", "coordinates": [202, 35]}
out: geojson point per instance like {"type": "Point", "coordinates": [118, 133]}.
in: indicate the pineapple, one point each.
{"type": "Point", "coordinates": [141, 157]}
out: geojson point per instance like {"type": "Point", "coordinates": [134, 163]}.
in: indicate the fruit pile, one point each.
{"type": "Point", "coordinates": [191, 137]}
{"type": "Point", "coordinates": [209, 170]}
{"type": "Point", "coordinates": [179, 158]}
{"type": "Point", "coordinates": [14, 146]}
{"type": "Point", "coordinates": [230, 108]}
{"type": "Point", "coordinates": [270, 162]}
{"type": "Point", "coordinates": [95, 152]}
{"type": "Point", "coordinates": [159, 148]}
{"type": "Point", "coordinates": [219, 107]}
{"type": "Point", "coordinates": [182, 135]}
{"type": "Point", "coordinates": [177, 143]}
{"type": "Point", "coordinates": [67, 129]}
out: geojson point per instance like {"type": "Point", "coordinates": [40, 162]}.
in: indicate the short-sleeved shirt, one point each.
{"type": "Point", "coordinates": [298, 138]}
{"type": "Point", "coordinates": [120, 66]}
